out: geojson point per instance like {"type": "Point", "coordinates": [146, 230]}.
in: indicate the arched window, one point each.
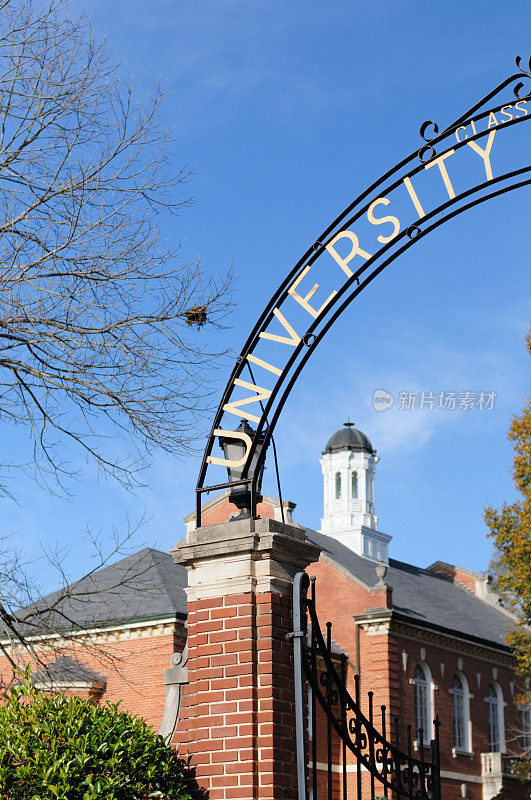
{"type": "Point", "coordinates": [354, 485]}
{"type": "Point", "coordinates": [422, 683]}
{"type": "Point", "coordinates": [461, 696]}
{"type": "Point", "coordinates": [369, 486]}
{"type": "Point", "coordinates": [496, 733]}
{"type": "Point", "coordinates": [338, 485]}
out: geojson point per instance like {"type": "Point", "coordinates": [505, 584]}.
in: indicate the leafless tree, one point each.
{"type": "Point", "coordinates": [102, 320]}
{"type": "Point", "coordinates": [37, 629]}
{"type": "Point", "coordinates": [99, 315]}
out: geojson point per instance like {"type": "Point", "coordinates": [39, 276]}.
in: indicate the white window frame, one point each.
{"type": "Point", "coordinates": [338, 488]}
{"type": "Point", "coordinates": [495, 708]}
{"type": "Point", "coordinates": [464, 693]}
{"type": "Point", "coordinates": [427, 684]}
{"type": "Point", "coordinates": [369, 492]}
{"type": "Point", "coordinates": [354, 485]}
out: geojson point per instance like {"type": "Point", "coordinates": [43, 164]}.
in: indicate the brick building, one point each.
{"type": "Point", "coordinates": [424, 640]}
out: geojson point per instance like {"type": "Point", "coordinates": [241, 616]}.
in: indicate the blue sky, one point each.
{"type": "Point", "coordinates": [287, 110]}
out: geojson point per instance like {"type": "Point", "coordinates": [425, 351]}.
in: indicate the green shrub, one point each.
{"type": "Point", "coordinates": [53, 746]}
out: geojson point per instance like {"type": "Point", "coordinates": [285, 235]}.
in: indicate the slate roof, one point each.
{"type": "Point", "coordinates": [145, 585]}
{"type": "Point", "coordinates": [349, 438]}
{"type": "Point", "coordinates": [426, 597]}
{"type": "Point", "coordinates": [66, 670]}
{"type": "Point", "coordinates": [148, 585]}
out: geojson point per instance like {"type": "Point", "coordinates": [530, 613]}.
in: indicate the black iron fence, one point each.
{"type": "Point", "coordinates": [324, 750]}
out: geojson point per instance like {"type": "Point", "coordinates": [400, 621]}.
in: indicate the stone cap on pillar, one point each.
{"type": "Point", "coordinates": [247, 555]}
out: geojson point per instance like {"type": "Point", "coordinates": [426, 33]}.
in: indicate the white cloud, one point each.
{"type": "Point", "coordinates": [320, 406]}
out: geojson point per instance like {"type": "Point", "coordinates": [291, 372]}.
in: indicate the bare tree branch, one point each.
{"type": "Point", "coordinates": [95, 334]}
{"type": "Point", "coordinates": [35, 629]}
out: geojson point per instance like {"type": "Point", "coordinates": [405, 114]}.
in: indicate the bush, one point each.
{"type": "Point", "coordinates": [52, 746]}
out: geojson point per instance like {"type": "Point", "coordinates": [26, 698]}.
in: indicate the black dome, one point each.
{"type": "Point", "coordinates": [349, 438]}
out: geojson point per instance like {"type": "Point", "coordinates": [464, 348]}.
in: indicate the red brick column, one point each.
{"type": "Point", "coordinates": [237, 718]}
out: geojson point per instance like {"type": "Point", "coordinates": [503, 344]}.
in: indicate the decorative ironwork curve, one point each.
{"type": "Point", "coordinates": [372, 267]}
{"type": "Point", "coordinates": [398, 770]}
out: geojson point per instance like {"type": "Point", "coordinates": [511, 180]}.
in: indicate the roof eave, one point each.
{"type": "Point", "coordinates": [101, 627]}
{"type": "Point", "coordinates": [391, 614]}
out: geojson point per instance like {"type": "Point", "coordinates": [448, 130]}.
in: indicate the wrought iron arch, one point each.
{"type": "Point", "coordinates": [472, 122]}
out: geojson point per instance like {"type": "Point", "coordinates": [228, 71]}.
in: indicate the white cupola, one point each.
{"type": "Point", "coordinates": [349, 462]}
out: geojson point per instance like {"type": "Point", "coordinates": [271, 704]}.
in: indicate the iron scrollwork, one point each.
{"type": "Point", "coordinates": [382, 756]}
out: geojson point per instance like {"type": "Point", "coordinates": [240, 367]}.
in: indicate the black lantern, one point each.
{"type": "Point", "coordinates": [234, 450]}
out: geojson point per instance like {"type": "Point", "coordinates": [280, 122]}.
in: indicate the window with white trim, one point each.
{"type": "Point", "coordinates": [461, 704]}
{"type": "Point", "coordinates": [495, 705]}
{"type": "Point", "coordinates": [369, 486]}
{"type": "Point", "coordinates": [422, 684]}
{"type": "Point", "coordinates": [338, 486]}
{"type": "Point", "coordinates": [354, 487]}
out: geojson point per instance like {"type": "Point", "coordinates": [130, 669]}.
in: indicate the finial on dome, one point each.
{"type": "Point", "coordinates": [348, 423]}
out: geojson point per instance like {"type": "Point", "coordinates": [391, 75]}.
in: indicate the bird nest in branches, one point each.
{"type": "Point", "coordinates": [197, 315]}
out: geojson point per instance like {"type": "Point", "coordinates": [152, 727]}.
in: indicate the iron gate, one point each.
{"type": "Point", "coordinates": [347, 728]}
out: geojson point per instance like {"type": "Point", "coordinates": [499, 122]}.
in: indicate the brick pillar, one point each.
{"type": "Point", "coordinates": [237, 719]}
